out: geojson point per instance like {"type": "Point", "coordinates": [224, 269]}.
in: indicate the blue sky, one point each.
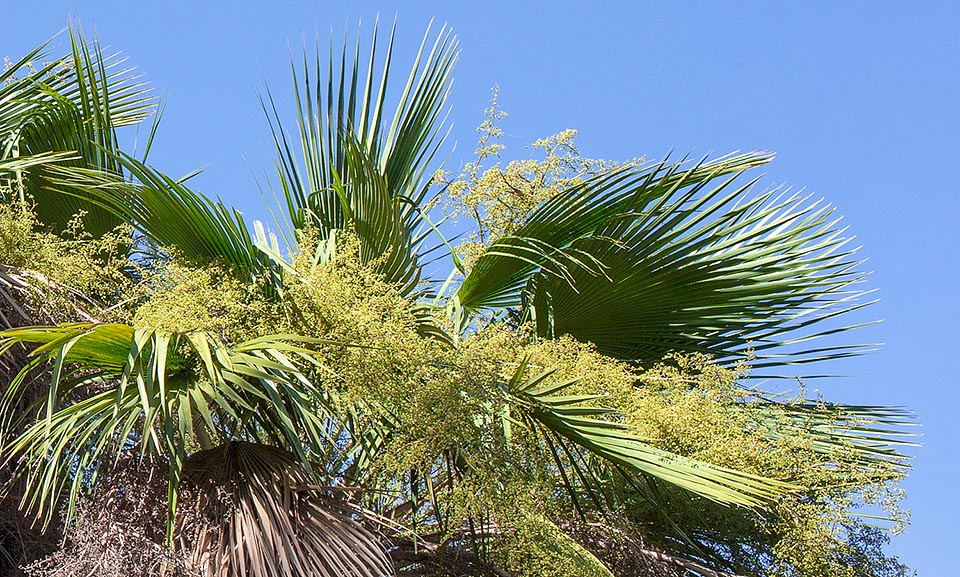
{"type": "Point", "coordinates": [858, 99]}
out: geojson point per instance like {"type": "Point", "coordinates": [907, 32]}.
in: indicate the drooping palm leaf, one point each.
{"type": "Point", "coordinates": [356, 167]}
{"type": "Point", "coordinates": [864, 436]}
{"type": "Point", "coordinates": [578, 420]}
{"type": "Point", "coordinates": [114, 388]}
{"type": "Point", "coordinates": [724, 288]}
{"type": "Point", "coordinates": [166, 211]}
{"type": "Point", "coordinates": [18, 164]}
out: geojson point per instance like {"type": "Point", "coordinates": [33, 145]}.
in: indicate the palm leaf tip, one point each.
{"type": "Point", "coordinates": [577, 420]}
{"type": "Point", "coordinates": [860, 435]}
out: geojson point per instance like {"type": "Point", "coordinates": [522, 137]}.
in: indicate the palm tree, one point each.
{"type": "Point", "coordinates": [278, 448]}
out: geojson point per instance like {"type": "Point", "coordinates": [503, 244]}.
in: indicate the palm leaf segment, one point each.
{"type": "Point", "coordinates": [59, 148]}
{"type": "Point", "coordinates": [66, 112]}
{"type": "Point", "coordinates": [166, 211]}
{"type": "Point", "coordinates": [665, 258]}
{"type": "Point", "coordinates": [354, 169]}
{"type": "Point", "coordinates": [859, 435]}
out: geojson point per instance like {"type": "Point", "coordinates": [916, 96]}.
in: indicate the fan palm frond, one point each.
{"type": "Point", "coordinates": [166, 211]}
{"type": "Point", "coordinates": [67, 112]}
{"type": "Point", "coordinates": [114, 388]}
{"type": "Point", "coordinates": [356, 166]}
{"type": "Point", "coordinates": [675, 258]}
{"type": "Point", "coordinates": [578, 420]}
{"type": "Point", "coordinates": [861, 435]}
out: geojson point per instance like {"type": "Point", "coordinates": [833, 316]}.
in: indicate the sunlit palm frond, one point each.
{"type": "Point", "coordinates": [497, 279]}
{"type": "Point", "coordinates": [79, 78]}
{"type": "Point", "coordinates": [672, 258]}
{"type": "Point", "coordinates": [166, 211]}
{"type": "Point", "coordinates": [356, 166]}
{"type": "Point", "coordinates": [576, 419]}
{"type": "Point", "coordinates": [67, 112]}
{"type": "Point", "coordinates": [18, 164]}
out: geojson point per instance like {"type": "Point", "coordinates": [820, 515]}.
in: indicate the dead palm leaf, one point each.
{"type": "Point", "coordinates": [258, 514]}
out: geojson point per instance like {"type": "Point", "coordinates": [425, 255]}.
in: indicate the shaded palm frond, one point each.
{"type": "Point", "coordinates": [864, 436]}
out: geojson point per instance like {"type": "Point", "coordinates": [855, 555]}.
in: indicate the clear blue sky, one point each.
{"type": "Point", "coordinates": [861, 101]}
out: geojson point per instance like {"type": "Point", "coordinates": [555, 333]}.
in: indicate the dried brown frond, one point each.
{"type": "Point", "coordinates": [251, 510]}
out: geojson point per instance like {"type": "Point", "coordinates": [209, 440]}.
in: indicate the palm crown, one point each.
{"type": "Point", "coordinates": [336, 386]}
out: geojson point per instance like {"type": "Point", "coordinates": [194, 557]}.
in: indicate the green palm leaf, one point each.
{"type": "Point", "coordinates": [579, 421]}
{"type": "Point", "coordinates": [356, 167]}
{"type": "Point", "coordinates": [67, 112]}
{"type": "Point", "coordinates": [115, 388]}
{"type": "Point", "coordinates": [498, 278]}
{"type": "Point", "coordinates": [861, 435]}
{"type": "Point", "coordinates": [669, 258]}
{"type": "Point", "coordinates": [166, 211]}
